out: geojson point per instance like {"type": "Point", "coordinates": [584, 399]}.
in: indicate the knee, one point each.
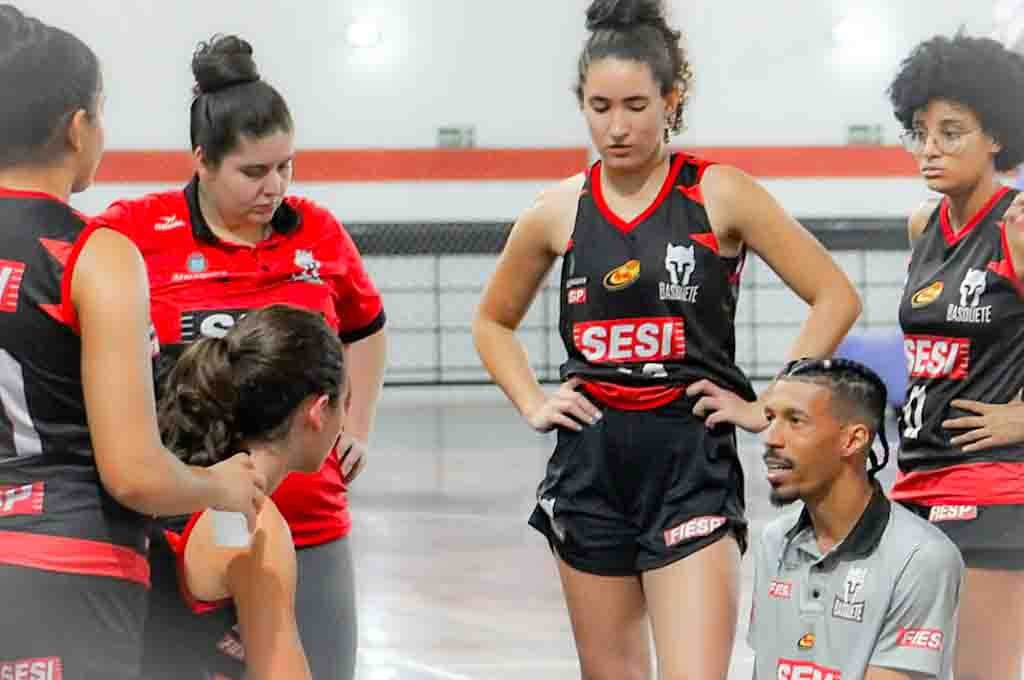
{"type": "Point", "coordinates": [614, 667]}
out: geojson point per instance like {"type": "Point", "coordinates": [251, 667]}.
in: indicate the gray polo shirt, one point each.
{"type": "Point", "coordinates": [886, 596]}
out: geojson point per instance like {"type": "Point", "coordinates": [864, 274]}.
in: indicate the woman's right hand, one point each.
{"type": "Point", "coordinates": [565, 408]}
{"type": "Point", "coordinates": [240, 487]}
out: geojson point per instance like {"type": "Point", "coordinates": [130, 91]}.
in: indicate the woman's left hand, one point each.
{"type": "Point", "coordinates": [352, 455]}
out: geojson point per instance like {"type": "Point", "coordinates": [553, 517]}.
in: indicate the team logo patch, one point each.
{"type": "Point", "coordinates": [793, 669]}
{"type": "Point", "coordinates": [26, 499]}
{"type": "Point", "coordinates": [622, 276]}
{"type": "Point", "coordinates": [47, 668]}
{"type": "Point", "coordinates": [952, 513]}
{"type": "Point", "coordinates": [11, 274]}
{"type": "Point", "coordinates": [807, 641]}
{"type": "Point", "coordinates": [576, 296]}
{"type": "Point", "coordinates": [927, 295]}
{"type": "Point", "coordinates": [780, 590]}
{"type": "Point", "coordinates": [231, 645]}
{"type": "Point", "coordinates": [698, 527]}
{"type": "Point", "coordinates": [309, 265]}
{"type": "Point", "coordinates": [920, 638]}
{"type": "Point", "coordinates": [680, 264]}
{"type": "Point", "coordinates": [969, 310]}
{"type": "Point", "coordinates": [196, 263]}
{"type": "Point", "coordinates": [849, 605]}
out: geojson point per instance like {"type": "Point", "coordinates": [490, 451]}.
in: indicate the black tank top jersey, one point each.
{"type": "Point", "coordinates": [650, 302]}
{"type": "Point", "coordinates": [962, 314]}
{"type": "Point", "coordinates": [48, 478]}
{"type": "Point", "coordinates": [181, 643]}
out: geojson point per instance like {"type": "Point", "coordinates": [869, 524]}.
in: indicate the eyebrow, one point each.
{"type": "Point", "coordinates": [255, 166]}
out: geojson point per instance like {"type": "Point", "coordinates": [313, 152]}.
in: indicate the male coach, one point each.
{"type": "Point", "coordinates": [850, 586]}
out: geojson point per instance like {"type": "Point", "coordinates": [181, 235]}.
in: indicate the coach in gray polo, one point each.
{"type": "Point", "coordinates": [848, 586]}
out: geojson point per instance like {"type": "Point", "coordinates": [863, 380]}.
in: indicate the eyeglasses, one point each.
{"type": "Point", "coordinates": [809, 366]}
{"type": "Point", "coordinates": [949, 142]}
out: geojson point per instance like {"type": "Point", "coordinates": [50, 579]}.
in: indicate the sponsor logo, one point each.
{"type": "Point", "coordinates": [26, 499]}
{"type": "Point", "coordinates": [195, 263]}
{"type": "Point", "coordinates": [576, 281]}
{"type": "Point", "coordinates": [642, 340]}
{"type": "Point", "coordinates": [780, 590]}
{"type": "Point", "coordinates": [849, 605]}
{"type": "Point", "coordinates": [920, 638]}
{"type": "Point", "coordinates": [807, 641]}
{"type": "Point", "coordinates": [11, 274]}
{"type": "Point", "coordinates": [927, 295]}
{"type": "Point", "coordinates": [680, 264]}
{"type": "Point", "coordinates": [576, 296]}
{"type": "Point", "coordinates": [934, 357]}
{"type": "Point", "coordinates": [49, 668]}
{"type": "Point", "coordinates": [167, 223]}
{"type": "Point", "coordinates": [971, 290]}
{"type": "Point", "coordinates": [209, 323]}
{"type": "Point", "coordinates": [622, 276]}
{"type": "Point", "coordinates": [697, 527]}
{"type": "Point", "coordinates": [231, 645]}
{"type": "Point", "coordinates": [952, 513]}
{"type": "Point", "coordinates": [309, 266]}
{"type": "Point", "coordinates": [789, 669]}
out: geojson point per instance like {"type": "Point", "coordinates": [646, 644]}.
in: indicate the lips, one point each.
{"type": "Point", "coordinates": [777, 468]}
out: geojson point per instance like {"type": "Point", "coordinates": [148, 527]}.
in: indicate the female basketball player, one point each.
{"type": "Point", "coordinates": [81, 462]}
{"type": "Point", "coordinates": [272, 386]}
{"type": "Point", "coordinates": [231, 242]}
{"type": "Point", "coordinates": [961, 101]}
{"type": "Point", "coordinates": [643, 499]}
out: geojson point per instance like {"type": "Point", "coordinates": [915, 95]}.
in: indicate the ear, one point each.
{"type": "Point", "coordinates": [854, 439]}
{"type": "Point", "coordinates": [76, 130]}
{"type": "Point", "coordinates": [316, 412]}
{"type": "Point", "coordinates": [199, 164]}
{"type": "Point", "coordinates": [994, 146]}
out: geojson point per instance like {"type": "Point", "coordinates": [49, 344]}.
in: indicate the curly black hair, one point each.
{"type": "Point", "coordinates": [978, 73]}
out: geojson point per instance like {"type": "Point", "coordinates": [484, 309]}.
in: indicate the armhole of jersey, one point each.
{"type": "Point", "coordinates": [1007, 267]}
{"type": "Point", "coordinates": [178, 545]}
{"type": "Point", "coordinates": [66, 306]}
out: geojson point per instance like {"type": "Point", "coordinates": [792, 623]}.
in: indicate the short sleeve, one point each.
{"type": "Point", "coordinates": [359, 306]}
{"type": "Point", "coordinates": [920, 625]}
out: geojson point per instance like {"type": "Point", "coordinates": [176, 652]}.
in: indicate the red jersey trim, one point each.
{"type": "Point", "coordinates": [615, 220]}
{"type": "Point", "coordinates": [178, 543]}
{"type": "Point", "coordinates": [66, 307]}
{"type": "Point", "coordinates": [73, 556]}
{"type": "Point", "coordinates": [947, 228]}
{"type": "Point", "coordinates": [631, 398]}
{"type": "Point", "coordinates": [1005, 267]}
{"type": "Point", "coordinates": [6, 192]}
{"type": "Point", "coordinates": [993, 483]}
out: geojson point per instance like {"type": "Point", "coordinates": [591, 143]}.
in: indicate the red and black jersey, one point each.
{"type": "Point", "coordinates": [200, 285]}
{"type": "Point", "coordinates": [55, 514]}
{"type": "Point", "coordinates": [650, 303]}
{"type": "Point", "coordinates": [962, 314]}
{"type": "Point", "coordinates": [186, 638]}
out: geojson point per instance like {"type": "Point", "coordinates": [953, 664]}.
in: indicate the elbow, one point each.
{"type": "Point", "coordinates": [134, 489]}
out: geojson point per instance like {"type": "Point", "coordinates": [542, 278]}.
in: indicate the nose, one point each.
{"type": "Point", "coordinates": [931, 147]}
{"type": "Point", "coordinates": [772, 435]}
{"type": "Point", "coordinates": [619, 128]}
{"type": "Point", "coordinates": [274, 185]}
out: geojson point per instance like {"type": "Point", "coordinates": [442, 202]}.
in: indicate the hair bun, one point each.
{"type": "Point", "coordinates": [224, 61]}
{"type": "Point", "coordinates": [623, 14]}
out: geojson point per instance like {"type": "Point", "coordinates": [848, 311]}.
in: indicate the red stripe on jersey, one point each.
{"type": "Point", "coordinates": [1005, 267]}
{"type": "Point", "coordinates": [619, 223]}
{"type": "Point", "coordinates": [178, 544]}
{"type": "Point", "coordinates": [993, 483]}
{"type": "Point", "coordinates": [68, 314]}
{"type": "Point", "coordinates": [947, 228]}
{"type": "Point", "coordinates": [11, 274]}
{"type": "Point", "coordinates": [73, 556]}
{"type": "Point", "coordinates": [630, 398]}
{"type": "Point", "coordinates": [707, 239]}
{"type": "Point", "coordinates": [61, 250]}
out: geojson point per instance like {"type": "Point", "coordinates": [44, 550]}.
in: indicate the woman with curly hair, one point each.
{"type": "Point", "coordinates": [961, 102]}
{"type": "Point", "coordinates": [643, 500]}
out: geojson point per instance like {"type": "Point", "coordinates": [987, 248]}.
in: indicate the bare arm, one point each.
{"type": "Point", "coordinates": [261, 580]}
{"type": "Point", "coordinates": [918, 220]}
{"type": "Point", "coordinates": [366, 360]}
{"type": "Point", "coordinates": [536, 240]}
{"type": "Point", "coordinates": [110, 294]}
{"type": "Point", "coordinates": [876, 673]}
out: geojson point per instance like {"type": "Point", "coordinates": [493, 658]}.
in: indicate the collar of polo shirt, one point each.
{"type": "Point", "coordinates": [284, 220]}
{"type": "Point", "coordinates": [866, 533]}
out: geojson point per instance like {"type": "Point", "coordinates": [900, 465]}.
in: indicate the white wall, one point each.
{"type": "Point", "coordinates": [767, 71]}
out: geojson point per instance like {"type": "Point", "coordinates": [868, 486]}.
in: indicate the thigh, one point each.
{"type": "Point", "coordinates": [609, 624]}
{"type": "Point", "coordinates": [990, 631]}
{"type": "Point", "coordinates": [325, 609]}
{"type": "Point", "coordinates": [68, 625]}
{"type": "Point", "coordinates": [693, 605]}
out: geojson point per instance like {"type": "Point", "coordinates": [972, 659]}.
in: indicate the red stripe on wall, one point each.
{"type": "Point", "coordinates": [411, 165]}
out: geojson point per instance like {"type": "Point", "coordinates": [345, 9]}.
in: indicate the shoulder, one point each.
{"type": "Point", "coordinates": [773, 536]}
{"type": "Point", "coordinates": [147, 215]}
{"type": "Point", "coordinates": [920, 217]}
{"type": "Point", "coordinates": [928, 548]}
{"type": "Point", "coordinates": [718, 181]}
{"type": "Point", "coordinates": [553, 212]}
{"type": "Point", "coordinates": [313, 214]}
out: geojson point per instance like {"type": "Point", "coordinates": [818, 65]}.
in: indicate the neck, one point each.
{"type": "Point", "coordinates": [836, 511]}
{"type": "Point", "coordinates": [54, 180]}
{"type": "Point", "coordinates": [272, 462]}
{"type": "Point", "coordinates": [964, 205]}
{"type": "Point", "coordinates": [636, 180]}
{"type": "Point", "coordinates": [246, 234]}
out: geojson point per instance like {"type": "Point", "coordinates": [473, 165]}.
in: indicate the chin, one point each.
{"type": "Point", "coordinates": [781, 498]}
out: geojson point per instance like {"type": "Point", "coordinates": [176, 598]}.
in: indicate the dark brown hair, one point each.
{"type": "Point", "coordinates": [246, 385]}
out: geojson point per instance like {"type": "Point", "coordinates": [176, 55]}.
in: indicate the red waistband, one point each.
{"type": "Point", "coordinates": [994, 483]}
{"type": "Point", "coordinates": [73, 556]}
{"type": "Point", "coordinates": [630, 398]}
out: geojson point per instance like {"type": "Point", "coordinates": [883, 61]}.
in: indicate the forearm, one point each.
{"type": "Point", "coordinates": [162, 485]}
{"type": "Point", "coordinates": [831, 316]}
{"type": "Point", "coordinates": [367, 360]}
{"type": "Point", "coordinates": [505, 358]}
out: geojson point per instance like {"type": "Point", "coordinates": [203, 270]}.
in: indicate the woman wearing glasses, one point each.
{"type": "Point", "coordinates": [961, 101]}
